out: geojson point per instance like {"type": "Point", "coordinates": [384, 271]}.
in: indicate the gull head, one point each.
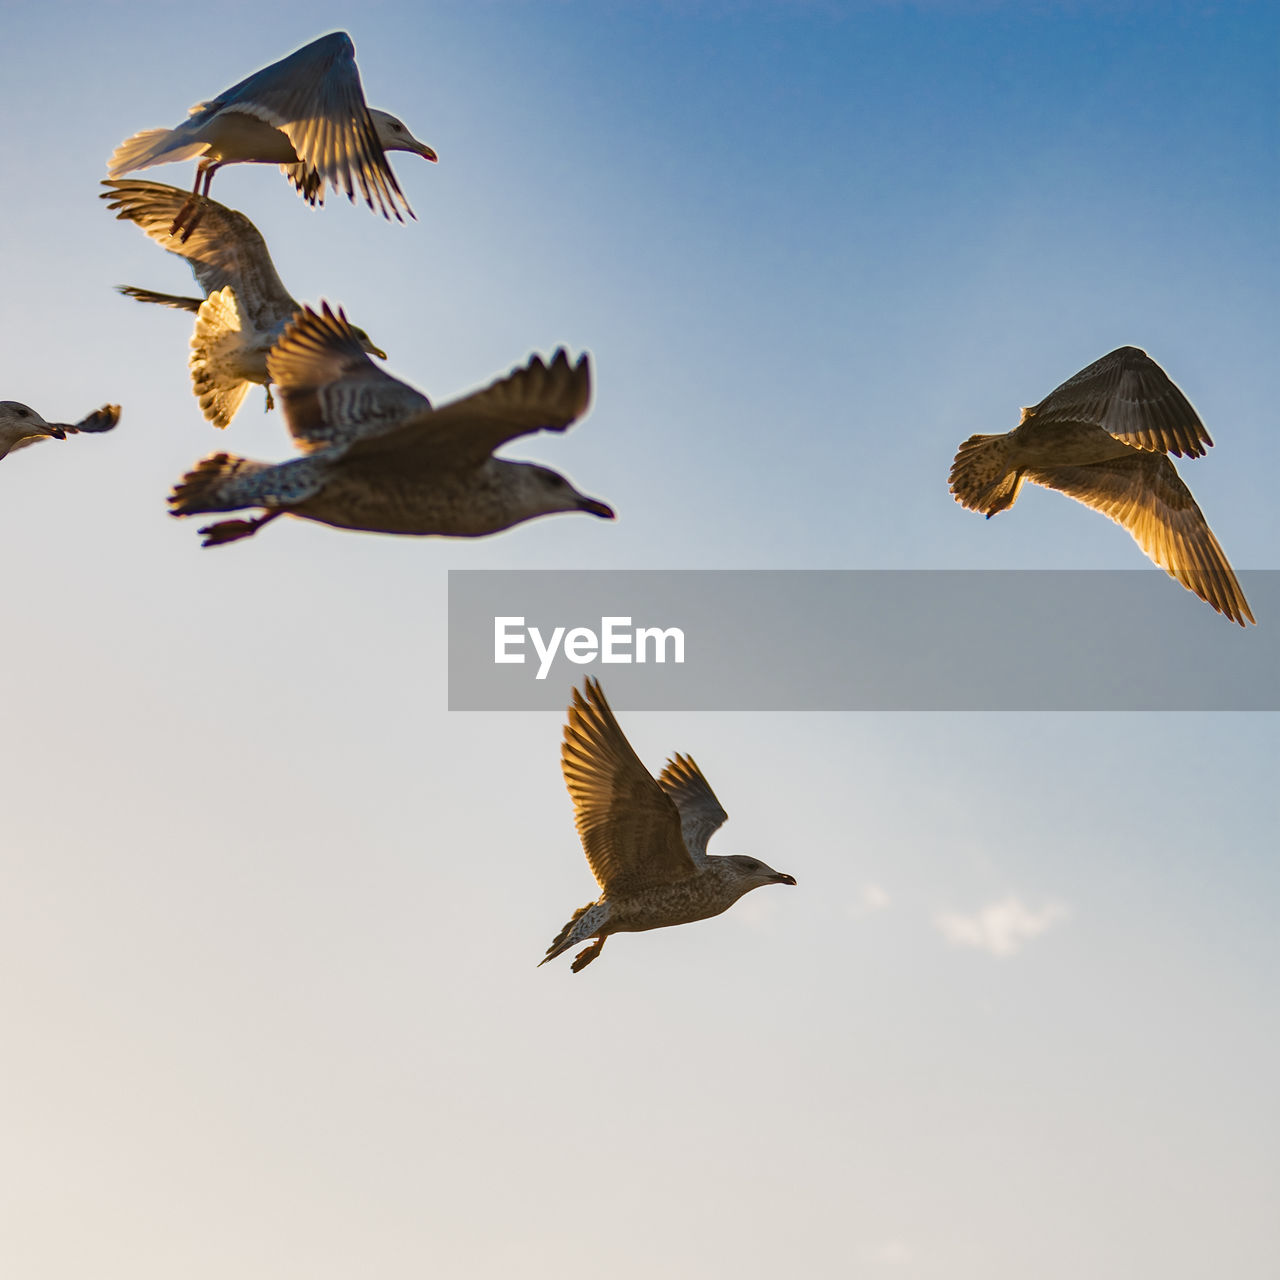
{"type": "Point", "coordinates": [394, 135]}
{"type": "Point", "coordinates": [544, 492]}
{"type": "Point", "coordinates": [366, 342]}
{"type": "Point", "coordinates": [751, 873]}
{"type": "Point", "coordinates": [21, 422]}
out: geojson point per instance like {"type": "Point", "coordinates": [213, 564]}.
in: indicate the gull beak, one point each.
{"type": "Point", "coordinates": [783, 878]}
{"type": "Point", "coordinates": [54, 430]}
{"type": "Point", "coordinates": [378, 351]}
{"type": "Point", "coordinates": [426, 152]}
{"type": "Point", "coordinates": [592, 507]}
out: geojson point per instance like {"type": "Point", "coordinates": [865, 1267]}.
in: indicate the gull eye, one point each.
{"type": "Point", "coordinates": [24, 413]}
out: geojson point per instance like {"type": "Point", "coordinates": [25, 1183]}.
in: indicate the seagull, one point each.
{"type": "Point", "coordinates": [306, 113]}
{"type": "Point", "coordinates": [20, 425]}
{"type": "Point", "coordinates": [1103, 438]}
{"type": "Point", "coordinates": [645, 838]}
{"type": "Point", "coordinates": [245, 308]}
{"type": "Point", "coordinates": [378, 457]}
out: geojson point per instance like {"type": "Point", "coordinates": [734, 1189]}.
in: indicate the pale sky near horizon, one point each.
{"type": "Point", "coordinates": [272, 915]}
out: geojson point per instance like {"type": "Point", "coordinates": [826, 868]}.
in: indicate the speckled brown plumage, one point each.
{"type": "Point", "coordinates": [380, 457]}
{"type": "Point", "coordinates": [645, 839]}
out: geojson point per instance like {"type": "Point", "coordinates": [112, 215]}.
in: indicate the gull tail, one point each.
{"type": "Point", "coordinates": [161, 299]}
{"type": "Point", "coordinates": [152, 146]}
{"type": "Point", "coordinates": [982, 476]}
{"type": "Point", "coordinates": [583, 924]}
{"type": "Point", "coordinates": [217, 347]}
{"type": "Point", "coordinates": [222, 482]}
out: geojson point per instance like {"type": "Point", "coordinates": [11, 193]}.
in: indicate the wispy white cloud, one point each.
{"type": "Point", "coordinates": [1000, 928]}
{"type": "Point", "coordinates": [871, 898]}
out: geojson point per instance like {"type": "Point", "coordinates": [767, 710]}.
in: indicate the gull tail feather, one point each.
{"type": "Point", "coordinates": [222, 482]}
{"type": "Point", "coordinates": [982, 476]}
{"type": "Point", "coordinates": [152, 146]}
{"type": "Point", "coordinates": [216, 343]}
{"type": "Point", "coordinates": [578, 930]}
{"type": "Point", "coordinates": [160, 299]}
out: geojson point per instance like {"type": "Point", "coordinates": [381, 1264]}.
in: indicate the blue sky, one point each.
{"type": "Point", "coordinates": [271, 917]}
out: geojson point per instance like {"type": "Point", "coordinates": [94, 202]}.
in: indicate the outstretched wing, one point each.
{"type": "Point", "coordinates": [99, 420]}
{"type": "Point", "coordinates": [629, 826]}
{"type": "Point", "coordinates": [314, 96]}
{"type": "Point", "coordinates": [701, 814]}
{"type": "Point", "coordinates": [464, 433]}
{"type": "Point", "coordinates": [332, 393]}
{"type": "Point", "coordinates": [1130, 397]}
{"type": "Point", "coordinates": [1145, 495]}
{"type": "Point", "coordinates": [223, 247]}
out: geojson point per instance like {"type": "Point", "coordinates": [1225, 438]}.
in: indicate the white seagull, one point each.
{"type": "Point", "coordinates": [245, 308]}
{"type": "Point", "coordinates": [21, 425]}
{"type": "Point", "coordinates": [645, 838]}
{"type": "Point", "coordinates": [307, 114]}
{"type": "Point", "coordinates": [379, 457]}
{"type": "Point", "coordinates": [1103, 438]}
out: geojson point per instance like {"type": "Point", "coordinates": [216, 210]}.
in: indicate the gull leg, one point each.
{"type": "Point", "coordinates": [232, 530]}
{"type": "Point", "coordinates": [584, 958]}
{"type": "Point", "coordinates": [271, 404]}
{"type": "Point", "coordinates": [188, 217]}
{"type": "Point", "coordinates": [188, 204]}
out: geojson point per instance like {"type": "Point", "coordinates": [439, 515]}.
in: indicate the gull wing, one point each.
{"type": "Point", "coordinates": [223, 248]}
{"type": "Point", "coordinates": [1145, 495]}
{"type": "Point", "coordinates": [99, 420]}
{"type": "Point", "coordinates": [701, 814]}
{"type": "Point", "coordinates": [629, 826]}
{"type": "Point", "coordinates": [464, 433]}
{"type": "Point", "coordinates": [314, 96]}
{"type": "Point", "coordinates": [332, 393]}
{"type": "Point", "coordinates": [1130, 397]}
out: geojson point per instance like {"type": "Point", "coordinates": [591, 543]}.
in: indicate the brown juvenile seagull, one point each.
{"type": "Point", "coordinates": [20, 425]}
{"type": "Point", "coordinates": [246, 306]}
{"type": "Point", "coordinates": [306, 113]}
{"type": "Point", "coordinates": [1102, 438]}
{"type": "Point", "coordinates": [645, 839]}
{"type": "Point", "coordinates": [379, 457]}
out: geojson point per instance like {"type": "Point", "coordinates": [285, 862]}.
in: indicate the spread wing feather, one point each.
{"type": "Point", "coordinates": [314, 96]}
{"type": "Point", "coordinates": [332, 393]}
{"type": "Point", "coordinates": [1130, 397]}
{"type": "Point", "coordinates": [630, 827]}
{"type": "Point", "coordinates": [701, 814]}
{"type": "Point", "coordinates": [222, 249]}
{"type": "Point", "coordinates": [464, 433]}
{"type": "Point", "coordinates": [99, 420]}
{"type": "Point", "coordinates": [1145, 495]}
